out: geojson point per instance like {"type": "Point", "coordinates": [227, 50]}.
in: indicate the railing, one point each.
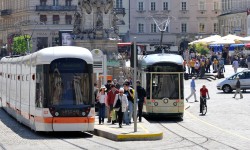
{"type": "Point", "coordinates": [6, 12]}
{"type": "Point", "coordinates": [56, 8]}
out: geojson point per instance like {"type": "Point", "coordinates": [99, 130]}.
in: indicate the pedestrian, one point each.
{"type": "Point", "coordinates": [248, 62]}
{"type": "Point", "coordinates": [108, 85]}
{"type": "Point", "coordinates": [130, 96]}
{"type": "Point", "coordinates": [238, 90]}
{"type": "Point", "coordinates": [203, 94]}
{"type": "Point", "coordinates": [122, 99]}
{"type": "Point", "coordinates": [117, 85]}
{"type": "Point", "coordinates": [141, 95]}
{"type": "Point", "coordinates": [235, 65]}
{"type": "Point", "coordinates": [102, 98]}
{"type": "Point", "coordinates": [110, 102]}
{"type": "Point", "coordinates": [193, 91]}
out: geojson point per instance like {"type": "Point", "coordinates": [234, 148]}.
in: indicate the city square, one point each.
{"type": "Point", "coordinates": [123, 74]}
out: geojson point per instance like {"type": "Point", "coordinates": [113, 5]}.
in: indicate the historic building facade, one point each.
{"type": "Point", "coordinates": [233, 18]}
{"type": "Point", "coordinates": [190, 19]}
{"type": "Point", "coordinates": [42, 19]}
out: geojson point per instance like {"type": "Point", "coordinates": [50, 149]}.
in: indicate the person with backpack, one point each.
{"type": "Point", "coordinates": [141, 95]}
{"type": "Point", "coordinates": [130, 96]}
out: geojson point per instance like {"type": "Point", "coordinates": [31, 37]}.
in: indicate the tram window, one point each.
{"type": "Point", "coordinates": [165, 86]}
{"type": "Point", "coordinates": [69, 82]}
{"type": "Point", "coordinates": [39, 87]}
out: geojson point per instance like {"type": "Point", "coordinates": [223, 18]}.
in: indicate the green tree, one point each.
{"type": "Point", "coordinates": [202, 48]}
{"type": "Point", "coordinates": [20, 44]}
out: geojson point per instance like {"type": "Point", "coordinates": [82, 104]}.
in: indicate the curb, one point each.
{"type": "Point", "coordinates": [129, 137]}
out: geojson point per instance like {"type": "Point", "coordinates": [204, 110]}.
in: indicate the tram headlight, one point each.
{"type": "Point", "coordinates": [156, 103]}
{"type": "Point", "coordinates": [83, 113]}
{"type": "Point", "coordinates": [165, 100]}
{"type": "Point", "coordinates": [56, 113]}
{"type": "Point", "coordinates": [175, 104]}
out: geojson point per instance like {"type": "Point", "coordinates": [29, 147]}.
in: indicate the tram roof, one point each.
{"type": "Point", "coordinates": [159, 58]}
{"type": "Point", "coordinates": [47, 55]}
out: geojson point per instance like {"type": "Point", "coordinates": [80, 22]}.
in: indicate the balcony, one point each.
{"type": "Point", "coordinates": [6, 12]}
{"type": "Point", "coordinates": [56, 8]}
{"type": "Point", "coordinates": [119, 11]}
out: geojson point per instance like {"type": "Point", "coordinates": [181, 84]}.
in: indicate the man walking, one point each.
{"type": "Point", "coordinates": [142, 98]}
{"type": "Point", "coordinates": [110, 101]}
{"type": "Point", "coordinates": [192, 85]}
{"type": "Point", "coordinates": [238, 88]}
{"type": "Point", "coordinates": [235, 65]}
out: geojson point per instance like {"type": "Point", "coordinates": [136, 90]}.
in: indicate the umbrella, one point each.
{"type": "Point", "coordinates": [211, 38]}
{"type": "Point", "coordinates": [232, 37]}
{"type": "Point", "coordinates": [246, 39]}
{"type": "Point", "coordinates": [223, 41]}
{"type": "Point", "coordinates": [247, 45]}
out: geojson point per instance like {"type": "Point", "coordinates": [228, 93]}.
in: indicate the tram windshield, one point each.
{"type": "Point", "coordinates": [69, 82]}
{"type": "Point", "coordinates": [165, 86]}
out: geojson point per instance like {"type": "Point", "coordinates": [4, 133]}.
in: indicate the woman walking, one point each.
{"type": "Point", "coordinates": [102, 98]}
{"type": "Point", "coordinates": [120, 105]}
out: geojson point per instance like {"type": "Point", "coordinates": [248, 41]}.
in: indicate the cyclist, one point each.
{"type": "Point", "coordinates": [203, 95]}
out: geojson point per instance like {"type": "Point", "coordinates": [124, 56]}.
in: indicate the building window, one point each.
{"type": "Point", "coordinates": [167, 28]}
{"type": "Point", "coordinates": [216, 27]}
{"type": "Point", "coordinates": [183, 28]}
{"type": "Point", "coordinates": [153, 28]}
{"type": "Point", "coordinates": [43, 18]}
{"type": "Point", "coordinates": [183, 5]}
{"type": "Point", "coordinates": [56, 19]}
{"type": "Point", "coordinates": [202, 5]}
{"type": "Point", "coordinates": [68, 19]}
{"type": "Point", "coordinates": [216, 6]}
{"type": "Point", "coordinates": [141, 28]}
{"type": "Point", "coordinates": [43, 2]}
{"type": "Point", "coordinates": [118, 4]}
{"type": "Point", "coordinates": [140, 6]}
{"type": "Point", "coordinates": [55, 2]}
{"type": "Point", "coordinates": [68, 2]}
{"type": "Point", "coordinates": [152, 6]}
{"type": "Point", "coordinates": [165, 5]}
{"type": "Point", "coordinates": [202, 28]}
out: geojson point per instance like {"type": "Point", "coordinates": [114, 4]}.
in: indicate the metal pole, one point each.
{"type": "Point", "coordinates": [134, 82]}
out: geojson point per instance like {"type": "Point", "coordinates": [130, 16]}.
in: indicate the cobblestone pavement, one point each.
{"type": "Point", "coordinates": [225, 126]}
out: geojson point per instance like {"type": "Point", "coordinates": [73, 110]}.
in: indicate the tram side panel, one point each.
{"type": "Point", "coordinates": [4, 85]}
{"type": "Point", "coordinates": [32, 90]}
{"type": "Point", "coordinates": [19, 89]}
{"type": "Point", "coordinates": [25, 113]}
{"type": "Point", "coordinates": [12, 88]}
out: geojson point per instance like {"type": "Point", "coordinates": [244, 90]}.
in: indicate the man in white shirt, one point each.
{"type": "Point", "coordinates": [235, 65]}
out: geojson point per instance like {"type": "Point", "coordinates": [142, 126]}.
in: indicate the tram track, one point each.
{"type": "Point", "coordinates": [199, 144]}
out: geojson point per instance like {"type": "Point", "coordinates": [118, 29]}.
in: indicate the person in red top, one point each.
{"type": "Point", "coordinates": [110, 101]}
{"type": "Point", "coordinates": [203, 94]}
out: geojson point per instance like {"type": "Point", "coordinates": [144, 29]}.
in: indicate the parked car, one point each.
{"type": "Point", "coordinates": [228, 84]}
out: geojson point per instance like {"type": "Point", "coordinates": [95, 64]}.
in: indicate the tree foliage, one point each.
{"type": "Point", "coordinates": [20, 44]}
{"type": "Point", "coordinates": [201, 48]}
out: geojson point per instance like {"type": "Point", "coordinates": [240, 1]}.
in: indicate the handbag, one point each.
{"type": "Point", "coordinates": [118, 104]}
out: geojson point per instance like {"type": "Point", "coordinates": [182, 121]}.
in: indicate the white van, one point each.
{"type": "Point", "coordinates": [228, 85]}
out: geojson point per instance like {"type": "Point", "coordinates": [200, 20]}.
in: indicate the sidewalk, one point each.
{"type": "Point", "coordinates": [145, 131]}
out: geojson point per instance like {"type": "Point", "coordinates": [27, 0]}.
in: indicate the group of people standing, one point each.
{"type": "Point", "coordinates": [119, 101]}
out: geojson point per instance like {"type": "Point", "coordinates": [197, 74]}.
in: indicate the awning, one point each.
{"type": "Point", "coordinates": [217, 47]}
{"type": "Point", "coordinates": [233, 46]}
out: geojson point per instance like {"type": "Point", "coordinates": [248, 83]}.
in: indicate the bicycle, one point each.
{"type": "Point", "coordinates": [204, 105]}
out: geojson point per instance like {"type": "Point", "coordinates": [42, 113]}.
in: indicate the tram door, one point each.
{"type": "Point", "coordinates": [164, 92]}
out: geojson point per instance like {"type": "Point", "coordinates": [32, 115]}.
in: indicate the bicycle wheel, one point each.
{"type": "Point", "coordinates": [204, 109]}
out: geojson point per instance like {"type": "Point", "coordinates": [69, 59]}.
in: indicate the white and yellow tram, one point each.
{"type": "Point", "coordinates": [50, 90]}
{"type": "Point", "coordinates": [162, 78]}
